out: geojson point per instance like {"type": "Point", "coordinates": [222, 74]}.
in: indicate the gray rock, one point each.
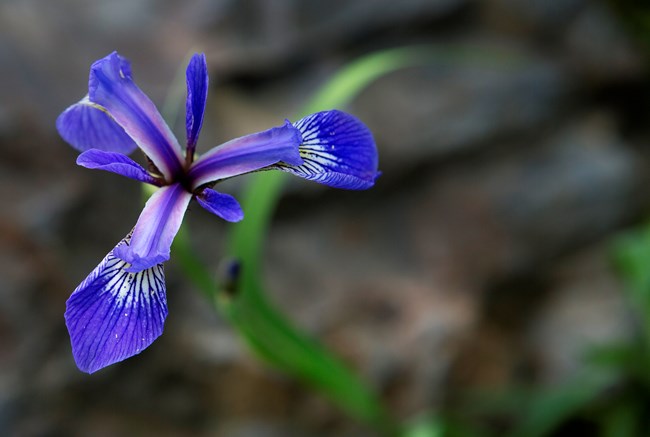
{"type": "Point", "coordinates": [532, 18]}
{"type": "Point", "coordinates": [585, 308]}
{"type": "Point", "coordinates": [267, 35]}
{"type": "Point", "coordinates": [504, 214]}
{"type": "Point", "coordinates": [350, 274]}
{"type": "Point", "coordinates": [468, 95]}
{"type": "Point", "coordinates": [600, 50]}
{"type": "Point", "coordinates": [583, 182]}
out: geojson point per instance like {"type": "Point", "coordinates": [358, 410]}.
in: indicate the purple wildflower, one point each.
{"type": "Point", "coordinates": [120, 308]}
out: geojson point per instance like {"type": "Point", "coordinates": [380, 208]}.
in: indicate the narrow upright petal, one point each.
{"type": "Point", "coordinates": [115, 163]}
{"type": "Point", "coordinates": [223, 205]}
{"type": "Point", "coordinates": [196, 77]}
{"type": "Point", "coordinates": [110, 85]}
{"type": "Point", "coordinates": [86, 125]}
{"type": "Point", "coordinates": [113, 314]}
{"type": "Point", "coordinates": [338, 150]}
{"type": "Point", "coordinates": [156, 228]}
{"type": "Point", "coordinates": [246, 154]}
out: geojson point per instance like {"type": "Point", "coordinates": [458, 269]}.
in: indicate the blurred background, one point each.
{"type": "Point", "coordinates": [481, 266]}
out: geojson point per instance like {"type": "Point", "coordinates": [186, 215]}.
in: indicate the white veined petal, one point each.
{"type": "Point", "coordinates": [114, 314]}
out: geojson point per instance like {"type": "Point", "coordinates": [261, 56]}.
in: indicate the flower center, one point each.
{"type": "Point", "coordinates": [185, 181]}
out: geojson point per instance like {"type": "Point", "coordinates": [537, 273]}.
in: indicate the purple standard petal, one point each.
{"type": "Point", "coordinates": [223, 205]}
{"type": "Point", "coordinates": [86, 125]}
{"type": "Point", "coordinates": [338, 150]}
{"type": "Point", "coordinates": [116, 163]}
{"type": "Point", "coordinates": [156, 228]}
{"type": "Point", "coordinates": [114, 314]}
{"type": "Point", "coordinates": [111, 86]}
{"type": "Point", "coordinates": [246, 154]}
{"type": "Point", "coordinates": [196, 77]}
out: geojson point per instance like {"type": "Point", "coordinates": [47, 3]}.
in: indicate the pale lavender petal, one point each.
{"type": "Point", "coordinates": [116, 163]}
{"type": "Point", "coordinates": [223, 205]}
{"type": "Point", "coordinates": [246, 154]}
{"type": "Point", "coordinates": [338, 150]}
{"type": "Point", "coordinates": [86, 125]}
{"type": "Point", "coordinates": [156, 228]}
{"type": "Point", "coordinates": [114, 314]}
{"type": "Point", "coordinates": [111, 86]}
{"type": "Point", "coordinates": [196, 77]}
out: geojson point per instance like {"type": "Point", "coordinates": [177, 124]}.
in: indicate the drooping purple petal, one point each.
{"type": "Point", "coordinates": [156, 228]}
{"type": "Point", "coordinates": [338, 150]}
{"type": "Point", "coordinates": [113, 314]}
{"type": "Point", "coordinates": [86, 125]}
{"type": "Point", "coordinates": [246, 154]}
{"type": "Point", "coordinates": [110, 85]}
{"type": "Point", "coordinates": [116, 163]}
{"type": "Point", "coordinates": [223, 205]}
{"type": "Point", "coordinates": [196, 77]}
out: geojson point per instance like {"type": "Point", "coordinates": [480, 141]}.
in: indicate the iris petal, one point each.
{"type": "Point", "coordinates": [246, 154]}
{"type": "Point", "coordinates": [110, 85]}
{"type": "Point", "coordinates": [196, 77]}
{"type": "Point", "coordinates": [113, 314]}
{"type": "Point", "coordinates": [115, 163]}
{"type": "Point", "coordinates": [338, 150]}
{"type": "Point", "coordinates": [156, 228]}
{"type": "Point", "coordinates": [86, 125]}
{"type": "Point", "coordinates": [223, 205]}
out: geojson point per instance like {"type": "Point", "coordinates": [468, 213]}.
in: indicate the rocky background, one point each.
{"type": "Point", "coordinates": [479, 261]}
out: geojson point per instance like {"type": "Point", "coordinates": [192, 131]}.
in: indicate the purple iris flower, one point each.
{"type": "Point", "coordinates": [120, 308]}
